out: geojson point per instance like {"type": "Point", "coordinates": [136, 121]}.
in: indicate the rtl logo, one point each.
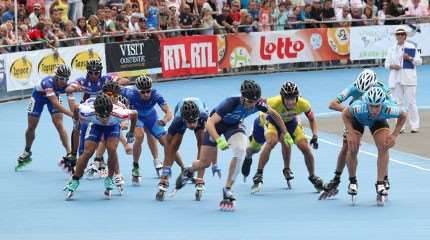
{"type": "Point", "coordinates": [201, 56]}
{"type": "Point", "coordinates": [284, 48]}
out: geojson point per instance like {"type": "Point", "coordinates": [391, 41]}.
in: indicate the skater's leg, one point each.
{"type": "Point", "coordinates": [383, 153]}
{"type": "Point", "coordinates": [137, 147]}
{"type": "Point", "coordinates": [238, 143]}
{"type": "Point", "coordinates": [308, 156]}
{"type": "Point", "coordinates": [57, 119]}
{"type": "Point", "coordinates": [152, 144]}
{"type": "Point", "coordinates": [177, 157]}
{"type": "Point", "coordinates": [271, 141]}
{"type": "Point", "coordinates": [111, 147]}
{"type": "Point", "coordinates": [30, 132]}
{"type": "Point", "coordinates": [89, 149]}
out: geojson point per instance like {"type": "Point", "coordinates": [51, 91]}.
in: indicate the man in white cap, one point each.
{"type": "Point", "coordinates": [402, 60]}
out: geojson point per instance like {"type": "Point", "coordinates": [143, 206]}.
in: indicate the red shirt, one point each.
{"type": "Point", "coordinates": [235, 16]}
{"type": "Point", "coordinates": [36, 34]}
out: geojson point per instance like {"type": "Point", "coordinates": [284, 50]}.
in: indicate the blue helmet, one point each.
{"type": "Point", "coordinates": [375, 96]}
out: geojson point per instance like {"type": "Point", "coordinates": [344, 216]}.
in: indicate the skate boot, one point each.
{"type": "Point", "coordinates": [258, 183]}
{"type": "Point", "coordinates": [246, 167]}
{"type": "Point", "coordinates": [317, 182]}
{"type": "Point", "coordinates": [68, 163]}
{"type": "Point", "coordinates": [135, 176]}
{"type": "Point", "coordinates": [70, 188]}
{"type": "Point", "coordinates": [119, 183]}
{"type": "Point", "coordinates": [200, 187]}
{"type": "Point", "coordinates": [353, 191]}
{"type": "Point", "coordinates": [381, 193]}
{"type": "Point", "coordinates": [102, 168]}
{"type": "Point", "coordinates": [330, 189]}
{"type": "Point", "coordinates": [158, 166]}
{"type": "Point", "coordinates": [228, 201]}
{"type": "Point", "coordinates": [289, 175]}
{"type": "Point", "coordinates": [184, 178]}
{"type": "Point", "coordinates": [23, 160]}
{"type": "Point", "coordinates": [387, 185]}
{"type": "Point", "coordinates": [109, 185]}
{"type": "Point", "coordinates": [163, 187]}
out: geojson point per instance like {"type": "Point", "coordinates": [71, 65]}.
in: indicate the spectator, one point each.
{"type": "Point", "coordinates": [56, 18]}
{"type": "Point", "coordinates": [93, 29]}
{"type": "Point", "coordinates": [225, 20]}
{"type": "Point", "coordinates": [74, 6]}
{"type": "Point", "coordinates": [368, 16]}
{"type": "Point", "coordinates": [316, 13]}
{"type": "Point", "coordinates": [371, 4]}
{"type": "Point", "coordinates": [63, 7]}
{"type": "Point", "coordinates": [338, 6]}
{"type": "Point", "coordinates": [23, 37]}
{"type": "Point", "coordinates": [133, 24]}
{"type": "Point", "coordinates": [280, 17]}
{"type": "Point", "coordinates": [22, 14]}
{"type": "Point", "coordinates": [7, 12]}
{"type": "Point", "coordinates": [35, 14]}
{"type": "Point", "coordinates": [247, 24]}
{"type": "Point", "coordinates": [186, 19]}
{"type": "Point", "coordinates": [90, 8]}
{"type": "Point", "coordinates": [415, 9]}
{"type": "Point", "coordinates": [296, 18]}
{"type": "Point", "coordinates": [50, 37]}
{"type": "Point", "coordinates": [164, 15]}
{"type": "Point", "coordinates": [395, 9]}
{"type": "Point", "coordinates": [6, 38]}
{"type": "Point", "coordinates": [345, 17]}
{"type": "Point", "coordinates": [152, 16]}
{"type": "Point", "coordinates": [265, 16]}
{"type": "Point", "coordinates": [193, 6]}
{"type": "Point", "coordinates": [253, 10]}
{"type": "Point", "coordinates": [235, 12]}
{"type": "Point", "coordinates": [327, 13]}
{"type": "Point", "coordinates": [208, 22]}
{"type": "Point", "coordinates": [357, 17]}
{"type": "Point", "coordinates": [383, 13]}
{"type": "Point", "coordinates": [173, 23]}
{"type": "Point", "coordinates": [101, 19]}
{"type": "Point", "coordinates": [81, 30]}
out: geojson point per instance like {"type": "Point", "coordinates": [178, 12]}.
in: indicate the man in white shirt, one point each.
{"type": "Point", "coordinates": [402, 60]}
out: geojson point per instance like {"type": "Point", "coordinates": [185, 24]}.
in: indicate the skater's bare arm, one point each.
{"type": "Point", "coordinates": [278, 120]}
{"type": "Point", "coordinates": [312, 122]}
{"type": "Point", "coordinates": [400, 122]}
{"type": "Point", "coordinates": [336, 105]}
{"type": "Point", "coordinates": [210, 125]}
{"type": "Point", "coordinates": [167, 114]}
{"type": "Point", "coordinates": [56, 103]}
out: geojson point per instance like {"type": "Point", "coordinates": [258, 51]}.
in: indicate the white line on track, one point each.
{"type": "Point", "coordinates": [376, 155]}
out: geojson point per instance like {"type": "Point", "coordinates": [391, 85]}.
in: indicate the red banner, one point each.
{"type": "Point", "coordinates": [192, 55]}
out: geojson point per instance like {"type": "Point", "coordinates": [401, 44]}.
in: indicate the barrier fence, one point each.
{"type": "Point", "coordinates": [209, 55]}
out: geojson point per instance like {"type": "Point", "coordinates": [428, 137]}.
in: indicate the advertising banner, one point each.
{"type": "Point", "coordinates": [266, 48]}
{"type": "Point", "coordinates": [133, 58]}
{"type": "Point", "coordinates": [25, 69]}
{"type": "Point", "coordinates": [372, 42]}
{"type": "Point", "coordinates": [189, 55]}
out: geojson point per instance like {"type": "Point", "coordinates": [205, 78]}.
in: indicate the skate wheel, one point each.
{"type": "Point", "coordinates": [108, 194]}
{"type": "Point", "coordinates": [199, 194]}
{"type": "Point", "coordinates": [380, 200]}
{"type": "Point", "coordinates": [353, 200]}
{"type": "Point", "coordinates": [159, 196]}
{"type": "Point", "coordinates": [69, 195]}
{"type": "Point", "coordinates": [256, 188]}
{"type": "Point", "coordinates": [289, 184]}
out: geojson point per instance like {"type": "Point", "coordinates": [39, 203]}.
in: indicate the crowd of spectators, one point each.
{"type": "Point", "coordinates": [57, 23]}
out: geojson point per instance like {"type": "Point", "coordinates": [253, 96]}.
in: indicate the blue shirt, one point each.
{"type": "Point", "coordinates": [352, 92]}
{"type": "Point", "coordinates": [232, 111]}
{"type": "Point", "coordinates": [152, 18]}
{"type": "Point", "coordinates": [91, 89]}
{"type": "Point", "coordinates": [143, 107]}
{"type": "Point", "coordinates": [360, 111]}
{"type": "Point", "coordinates": [48, 83]}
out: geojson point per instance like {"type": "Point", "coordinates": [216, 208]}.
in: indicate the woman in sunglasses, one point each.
{"type": "Point", "coordinates": [190, 113]}
{"type": "Point", "coordinates": [143, 98]}
{"type": "Point", "coordinates": [227, 119]}
{"type": "Point", "coordinates": [372, 110]}
{"type": "Point", "coordinates": [103, 119]}
{"type": "Point", "coordinates": [46, 92]}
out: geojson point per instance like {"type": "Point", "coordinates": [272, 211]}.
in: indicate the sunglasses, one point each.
{"type": "Point", "coordinates": [145, 91]}
{"type": "Point", "coordinates": [104, 115]}
{"type": "Point", "coordinates": [63, 79]}
{"type": "Point", "coordinates": [250, 101]}
{"type": "Point", "coordinates": [400, 34]}
{"type": "Point", "coordinates": [94, 73]}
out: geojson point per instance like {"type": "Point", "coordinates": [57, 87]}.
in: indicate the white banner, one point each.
{"type": "Point", "coordinates": [372, 42]}
{"type": "Point", "coordinates": [25, 69]}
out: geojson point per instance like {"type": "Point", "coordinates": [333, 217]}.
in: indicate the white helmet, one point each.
{"type": "Point", "coordinates": [375, 96]}
{"type": "Point", "coordinates": [365, 80]}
